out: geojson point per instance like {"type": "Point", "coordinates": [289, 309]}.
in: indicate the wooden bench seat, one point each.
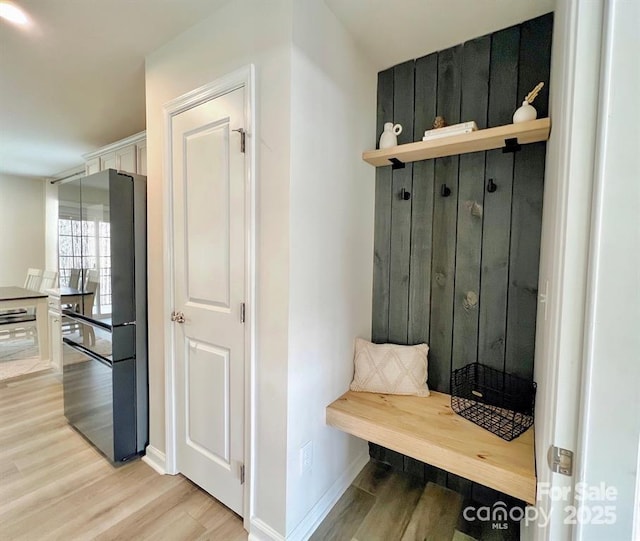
{"type": "Point", "coordinates": [428, 430]}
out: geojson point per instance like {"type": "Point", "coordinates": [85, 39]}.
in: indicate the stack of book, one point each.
{"type": "Point", "coordinates": [448, 131]}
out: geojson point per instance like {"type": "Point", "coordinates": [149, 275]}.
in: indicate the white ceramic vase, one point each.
{"type": "Point", "coordinates": [389, 137]}
{"type": "Point", "coordinates": [525, 113]}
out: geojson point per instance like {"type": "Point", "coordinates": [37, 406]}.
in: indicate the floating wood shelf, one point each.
{"type": "Point", "coordinates": [427, 429]}
{"type": "Point", "coordinates": [489, 139]}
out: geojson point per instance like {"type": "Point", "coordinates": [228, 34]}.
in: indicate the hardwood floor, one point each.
{"type": "Point", "coordinates": [18, 356]}
{"type": "Point", "coordinates": [382, 505]}
{"type": "Point", "coordinates": [55, 485]}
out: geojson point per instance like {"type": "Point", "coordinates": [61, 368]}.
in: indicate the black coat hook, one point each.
{"type": "Point", "coordinates": [491, 186]}
{"type": "Point", "coordinates": [405, 195]}
{"type": "Point", "coordinates": [445, 191]}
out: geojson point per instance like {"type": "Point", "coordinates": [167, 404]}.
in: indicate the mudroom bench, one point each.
{"type": "Point", "coordinates": [428, 430]}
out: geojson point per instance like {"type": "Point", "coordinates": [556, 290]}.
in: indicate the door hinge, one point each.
{"type": "Point", "coordinates": [560, 460]}
{"type": "Point", "coordinates": [242, 312]}
{"type": "Point", "coordinates": [243, 138]}
{"type": "Point", "coordinates": [242, 474]}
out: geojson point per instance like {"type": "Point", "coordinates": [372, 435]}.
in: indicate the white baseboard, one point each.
{"type": "Point", "coordinates": [320, 510]}
{"type": "Point", "coordinates": [156, 459]}
{"type": "Point", "coordinates": [260, 531]}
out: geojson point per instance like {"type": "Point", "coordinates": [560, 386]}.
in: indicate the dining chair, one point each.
{"type": "Point", "coordinates": [74, 283]}
{"type": "Point", "coordinates": [74, 278]}
{"type": "Point", "coordinates": [49, 279]}
{"type": "Point", "coordinates": [92, 286]}
{"type": "Point", "coordinates": [23, 320]}
{"type": "Point", "coordinates": [34, 277]}
{"type": "Point", "coordinates": [91, 276]}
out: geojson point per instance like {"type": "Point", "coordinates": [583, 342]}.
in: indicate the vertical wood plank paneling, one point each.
{"type": "Point", "coordinates": [503, 82]}
{"type": "Point", "coordinates": [444, 228]}
{"type": "Point", "coordinates": [426, 80]}
{"type": "Point", "coordinates": [534, 63]}
{"type": "Point", "coordinates": [421, 222]}
{"type": "Point", "coordinates": [382, 238]}
{"type": "Point", "coordinates": [414, 467]}
{"type": "Point", "coordinates": [460, 485]}
{"type": "Point", "coordinates": [526, 220]}
{"type": "Point", "coordinates": [435, 475]}
{"type": "Point", "coordinates": [403, 97]}
{"type": "Point", "coordinates": [475, 93]}
{"type": "Point", "coordinates": [394, 459]}
{"type": "Point", "coordinates": [422, 208]}
{"type": "Point", "coordinates": [526, 213]}
{"type": "Point", "coordinates": [382, 221]}
{"type": "Point", "coordinates": [431, 250]}
{"type": "Point", "coordinates": [474, 99]}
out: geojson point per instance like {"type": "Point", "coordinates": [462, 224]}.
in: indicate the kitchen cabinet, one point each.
{"type": "Point", "coordinates": [141, 149]}
{"type": "Point", "coordinates": [55, 330]}
{"type": "Point", "coordinates": [128, 155]}
{"type": "Point", "coordinates": [92, 166]}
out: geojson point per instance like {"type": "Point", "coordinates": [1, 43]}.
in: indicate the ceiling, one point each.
{"type": "Point", "coordinates": [392, 31]}
{"type": "Point", "coordinates": [73, 80]}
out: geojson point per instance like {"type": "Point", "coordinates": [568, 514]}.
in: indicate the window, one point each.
{"type": "Point", "coordinates": [104, 266]}
{"type": "Point", "coordinates": [84, 244]}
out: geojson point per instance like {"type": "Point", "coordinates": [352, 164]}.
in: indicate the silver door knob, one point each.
{"type": "Point", "coordinates": [178, 317]}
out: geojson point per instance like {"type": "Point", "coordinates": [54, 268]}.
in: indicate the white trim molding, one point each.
{"type": "Point", "coordinates": [564, 249]}
{"type": "Point", "coordinates": [260, 531]}
{"type": "Point", "coordinates": [156, 459]}
{"type": "Point", "coordinates": [117, 145]}
{"type": "Point", "coordinates": [320, 510]}
{"type": "Point", "coordinates": [243, 77]}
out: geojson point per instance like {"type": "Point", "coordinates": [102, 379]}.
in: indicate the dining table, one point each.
{"type": "Point", "coordinates": [70, 295]}
{"type": "Point", "coordinates": [12, 297]}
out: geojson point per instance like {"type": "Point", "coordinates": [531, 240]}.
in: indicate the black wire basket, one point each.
{"type": "Point", "coordinates": [498, 402]}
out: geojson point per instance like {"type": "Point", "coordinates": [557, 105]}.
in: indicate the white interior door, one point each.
{"type": "Point", "coordinates": [209, 287]}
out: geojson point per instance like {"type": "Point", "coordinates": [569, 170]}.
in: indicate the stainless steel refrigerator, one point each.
{"type": "Point", "coordinates": [103, 225]}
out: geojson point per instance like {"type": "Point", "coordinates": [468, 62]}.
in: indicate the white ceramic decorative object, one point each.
{"type": "Point", "coordinates": [389, 137]}
{"type": "Point", "coordinates": [525, 113]}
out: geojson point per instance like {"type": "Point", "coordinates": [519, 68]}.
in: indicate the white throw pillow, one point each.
{"type": "Point", "coordinates": [390, 368]}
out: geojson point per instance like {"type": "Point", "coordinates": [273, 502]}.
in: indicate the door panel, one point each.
{"type": "Point", "coordinates": [209, 286]}
{"type": "Point", "coordinates": [207, 210]}
{"type": "Point", "coordinates": [207, 379]}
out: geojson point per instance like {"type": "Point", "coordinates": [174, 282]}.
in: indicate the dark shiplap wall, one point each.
{"type": "Point", "coordinates": [461, 272]}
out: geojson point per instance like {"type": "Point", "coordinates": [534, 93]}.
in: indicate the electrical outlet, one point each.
{"type": "Point", "coordinates": [306, 457]}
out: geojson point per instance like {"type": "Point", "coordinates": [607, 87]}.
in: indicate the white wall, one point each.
{"type": "Point", "coordinates": [315, 115]}
{"type": "Point", "coordinates": [22, 228]}
{"type": "Point", "coordinates": [333, 112]}
{"type": "Point", "coordinates": [611, 413]}
{"type": "Point", "coordinates": [51, 225]}
{"type": "Point", "coordinates": [241, 32]}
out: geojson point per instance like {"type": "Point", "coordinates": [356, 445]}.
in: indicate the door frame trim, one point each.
{"type": "Point", "coordinates": [564, 255]}
{"type": "Point", "coordinates": [243, 77]}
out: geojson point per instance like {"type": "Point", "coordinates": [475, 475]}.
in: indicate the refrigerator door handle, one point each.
{"type": "Point", "coordinates": [87, 352]}
{"type": "Point", "coordinates": [86, 320]}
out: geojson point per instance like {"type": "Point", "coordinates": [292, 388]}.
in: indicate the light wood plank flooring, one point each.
{"type": "Point", "coordinates": [19, 356]}
{"type": "Point", "coordinates": [382, 505]}
{"type": "Point", "coordinates": [55, 485]}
